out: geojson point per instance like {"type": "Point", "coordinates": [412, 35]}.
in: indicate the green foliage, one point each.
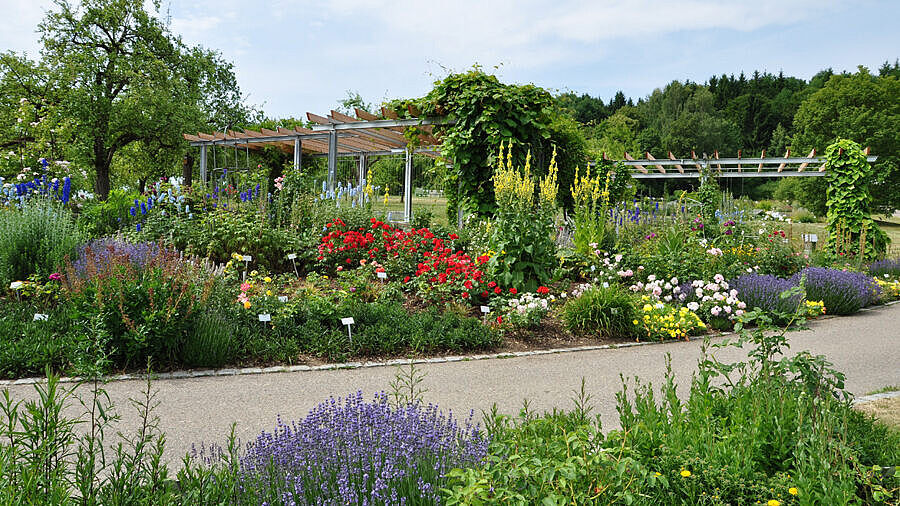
{"type": "Point", "coordinates": [608, 311]}
{"type": "Point", "coordinates": [848, 201]}
{"type": "Point", "coordinates": [100, 218]}
{"type": "Point", "coordinates": [35, 240]}
{"type": "Point", "coordinates": [863, 108]}
{"type": "Point", "coordinates": [710, 198]}
{"type": "Point", "coordinates": [487, 112]}
{"type": "Point", "coordinates": [115, 71]}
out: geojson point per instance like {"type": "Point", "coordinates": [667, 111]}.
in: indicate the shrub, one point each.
{"type": "Point", "coordinates": [350, 451]}
{"type": "Point", "coordinates": [843, 292]}
{"type": "Point", "coordinates": [35, 240]}
{"type": "Point", "coordinates": [763, 291]}
{"type": "Point", "coordinates": [604, 310]}
{"type": "Point", "coordinates": [145, 306]}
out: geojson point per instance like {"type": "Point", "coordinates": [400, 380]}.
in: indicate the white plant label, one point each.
{"type": "Point", "coordinates": [347, 321]}
{"type": "Point", "coordinates": [382, 275]}
{"type": "Point", "coordinates": [485, 309]}
{"type": "Point", "coordinates": [292, 256]}
{"type": "Point", "coordinates": [40, 316]}
{"type": "Point", "coordinates": [248, 258]}
{"type": "Point", "coordinates": [265, 317]}
{"type": "Point", "coordinates": [614, 310]}
{"type": "Point", "coordinates": [282, 298]}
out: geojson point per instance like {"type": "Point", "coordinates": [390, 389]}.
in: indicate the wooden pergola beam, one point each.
{"type": "Point", "coordinates": [639, 167]}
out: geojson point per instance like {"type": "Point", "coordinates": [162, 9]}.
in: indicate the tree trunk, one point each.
{"type": "Point", "coordinates": [101, 166]}
{"type": "Point", "coordinates": [187, 168]}
{"type": "Point", "coordinates": [142, 185]}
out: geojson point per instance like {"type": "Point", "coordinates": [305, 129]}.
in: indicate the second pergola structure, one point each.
{"type": "Point", "coordinates": [334, 136]}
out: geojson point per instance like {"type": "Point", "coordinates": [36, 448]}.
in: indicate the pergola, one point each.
{"type": "Point", "coordinates": [334, 136]}
{"type": "Point", "coordinates": [649, 167]}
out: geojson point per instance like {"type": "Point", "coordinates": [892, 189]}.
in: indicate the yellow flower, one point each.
{"type": "Point", "coordinates": [685, 473]}
{"type": "Point", "coordinates": [635, 322]}
{"type": "Point", "coordinates": [773, 502]}
{"type": "Point", "coordinates": [793, 491]}
{"type": "Point", "coordinates": [254, 273]}
{"type": "Point", "coordinates": [247, 305]}
{"type": "Point", "coordinates": [657, 473]}
{"type": "Point", "coordinates": [269, 293]}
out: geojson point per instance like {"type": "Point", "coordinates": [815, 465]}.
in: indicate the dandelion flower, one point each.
{"type": "Point", "coordinates": [685, 473]}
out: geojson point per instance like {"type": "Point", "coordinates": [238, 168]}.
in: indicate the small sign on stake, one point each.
{"type": "Point", "coordinates": [248, 258]}
{"type": "Point", "coordinates": [282, 298]}
{"type": "Point", "coordinates": [265, 317]}
{"type": "Point", "coordinates": [40, 316]}
{"type": "Point", "coordinates": [348, 322]}
{"type": "Point", "coordinates": [381, 275]}
{"type": "Point", "coordinates": [292, 256]}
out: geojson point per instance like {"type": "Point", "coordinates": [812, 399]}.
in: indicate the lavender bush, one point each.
{"type": "Point", "coordinates": [889, 267]}
{"type": "Point", "coordinates": [357, 452]}
{"type": "Point", "coordinates": [764, 291]}
{"type": "Point", "coordinates": [99, 252]}
{"type": "Point", "coordinates": [843, 292]}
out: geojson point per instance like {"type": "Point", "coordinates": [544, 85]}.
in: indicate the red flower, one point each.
{"type": "Point", "coordinates": [483, 259]}
{"type": "Point", "coordinates": [492, 284]}
{"type": "Point", "coordinates": [453, 237]}
{"type": "Point", "coordinates": [498, 290]}
{"type": "Point", "coordinates": [543, 290]}
{"type": "Point", "coordinates": [499, 319]}
{"type": "Point", "coordinates": [484, 293]}
{"type": "Point", "coordinates": [349, 261]}
{"type": "Point", "coordinates": [513, 291]}
{"type": "Point", "coordinates": [465, 295]}
{"type": "Point", "coordinates": [406, 279]}
{"type": "Point", "coordinates": [468, 284]}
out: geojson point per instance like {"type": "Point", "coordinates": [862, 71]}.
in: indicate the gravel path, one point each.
{"type": "Point", "coordinates": [866, 347]}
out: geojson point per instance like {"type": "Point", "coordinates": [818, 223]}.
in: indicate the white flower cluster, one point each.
{"type": "Point", "coordinates": [607, 269]}
{"type": "Point", "coordinates": [529, 302]}
{"type": "Point", "coordinates": [658, 289]}
{"type": "Point", "coordinates": [715, 298]}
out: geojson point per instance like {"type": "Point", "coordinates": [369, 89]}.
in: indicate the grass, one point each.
{"type": "Point", "coordinates": [885, 410]}
{"type": "Point", "coordinates": [437, 206]}
{"type": "Point", "coordinates": [891, 225]}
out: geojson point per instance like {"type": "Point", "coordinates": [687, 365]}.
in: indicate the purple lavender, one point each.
{"type": "Point", "coordinates": [843, 292]}
{"type": "Point", "coordinates": [764, 291]}
{"type": "Point", "coordinates": [99, 252]}
{"type": "Point", "coordinates": [888, 266]}
{"type": "Point", "coordinates": [355, 452]}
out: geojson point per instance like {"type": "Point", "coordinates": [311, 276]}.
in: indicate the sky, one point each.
{"type": "Point", "coordinates": [294, 56]}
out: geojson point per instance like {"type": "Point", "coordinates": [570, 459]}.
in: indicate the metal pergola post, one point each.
{"type": "Point", "coordinates": [332, 159]}
{"type": "Point", "coordinates": [362, 170]}
{"type": "Point", "coordinates": [407, 187]}
{"type": "Point", "coordinates": [202, 164]}
{"type": "Point", "coordinates": [298, 145]}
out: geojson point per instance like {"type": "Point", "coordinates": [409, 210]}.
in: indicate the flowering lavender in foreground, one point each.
{"type": "Point", "coordinates": [764, 291]}
{"type": "Point", "coordinates": [843, 292]}
{"type": "Point", "coordinates": [355, 452]}
{"type": "Point", "coordinates": [888, 266]}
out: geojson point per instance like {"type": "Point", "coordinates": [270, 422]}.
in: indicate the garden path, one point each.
{"type": "Point", "coordinates": [865, 346]}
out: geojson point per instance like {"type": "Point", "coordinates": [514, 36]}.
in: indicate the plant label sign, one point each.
{"type": "Point", "coordinates": [382, 275]}
{"type": "Point", "coordinates": [265, 317]}
{"type": "Point", "coordinates": [292, 256]}
{"type": "Point", "coordinates": [347, 321]}
{"type": "Point", "coordinates": [282, 298]}
{"type": "Point", "coordinates": [248, 258]}
{"type": "Point", "coordinates": [40, 316]}
{"type": "Point", "coordinates": [614, 310]}
{"type": "Point", "coordinates": [485, 309]}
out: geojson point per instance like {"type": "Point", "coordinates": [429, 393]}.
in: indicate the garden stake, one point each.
{"type": "Point", "coordinates": [348, 322]}
{"type": "Point", "coordinates": [293, 258]}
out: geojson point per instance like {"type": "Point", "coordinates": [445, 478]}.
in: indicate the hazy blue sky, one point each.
{"type": "Point", "coordinates": [293, 56]}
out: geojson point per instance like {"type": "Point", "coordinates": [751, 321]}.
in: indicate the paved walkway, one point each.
{"type": "Point", "coordinates": [865, 346]}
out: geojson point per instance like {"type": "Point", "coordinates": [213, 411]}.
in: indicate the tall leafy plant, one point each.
{"type": "Point", "coordinates": [523, 235]}
{"type": "Point", "coordinates": [851, 230]}
{"type": "Point", "coordinates": [35, 239]}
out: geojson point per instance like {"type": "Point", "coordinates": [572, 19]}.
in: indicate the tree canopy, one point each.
{"type": "Point", "coordinates": [115, 77]}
